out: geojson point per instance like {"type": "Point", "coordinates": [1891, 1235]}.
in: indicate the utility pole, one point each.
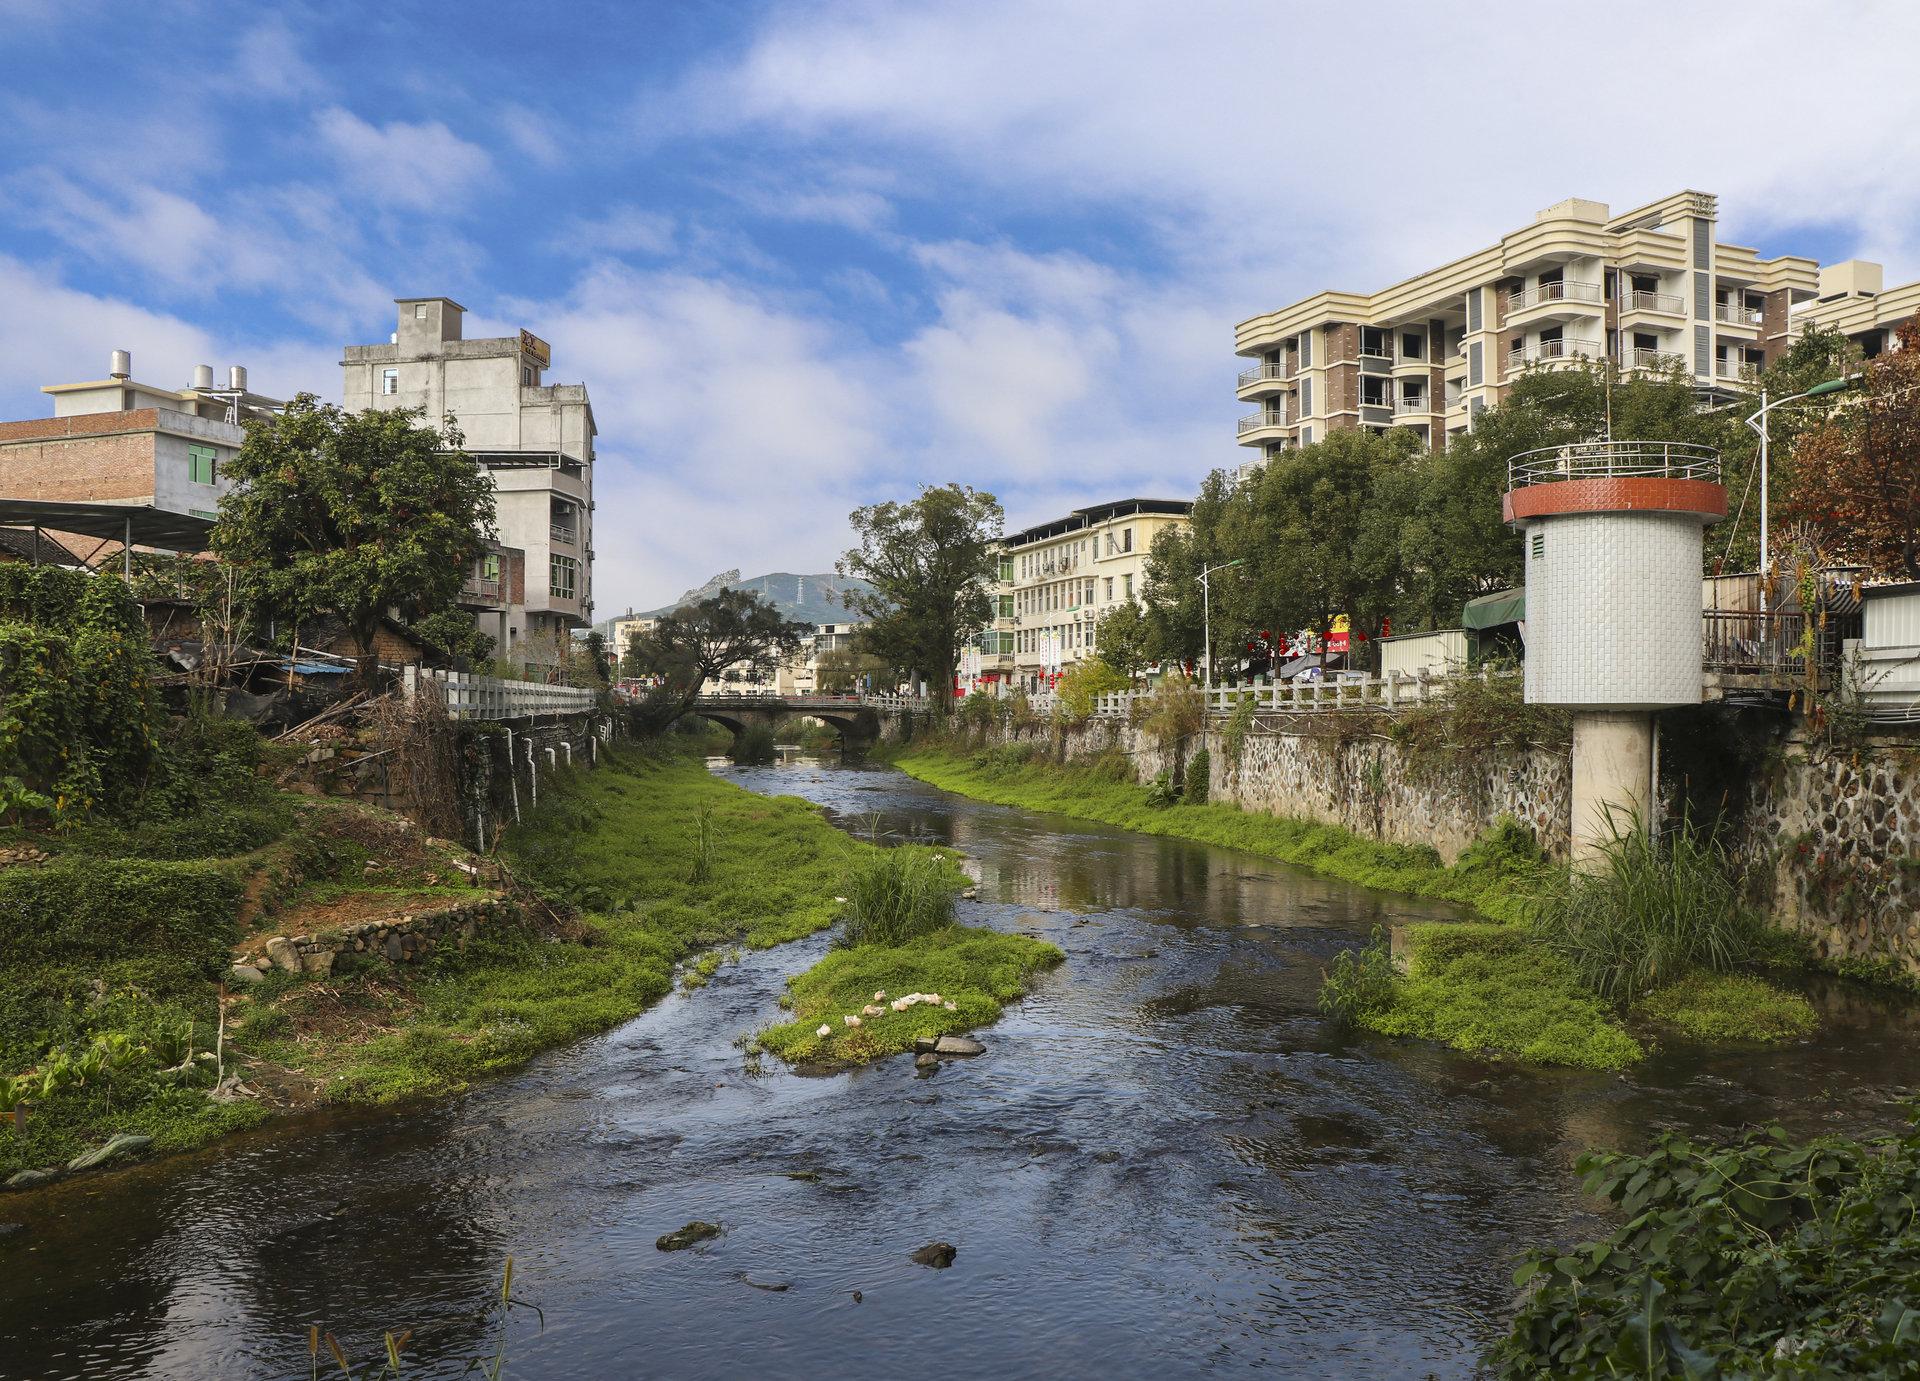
{"type": "Point", "coordinates": [1206, 621]}
{"type": "Point", "coordinates": [1759, 423]}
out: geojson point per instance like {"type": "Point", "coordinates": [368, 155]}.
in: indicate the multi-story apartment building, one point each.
{"type": "Point", "coordinates": [535, 439]}
{"type": "Point", "coordinates": [1851, 300]}
{"type": "Point", "coordinates": [1652, 288]}
{"type": "Point", "coordinates": [1057, 579]}
{"type": "Point", "coordinates": [116, 441]}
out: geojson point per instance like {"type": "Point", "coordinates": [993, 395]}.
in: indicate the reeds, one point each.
{"type": "Point", "coordinates": [897, 895]}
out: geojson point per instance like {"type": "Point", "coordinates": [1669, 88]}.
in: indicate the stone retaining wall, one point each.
{"type": "Point", "coordinates": [398, 940]}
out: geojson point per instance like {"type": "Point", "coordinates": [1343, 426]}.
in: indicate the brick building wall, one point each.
{"type": "Point", "coordinates": [79, 459]}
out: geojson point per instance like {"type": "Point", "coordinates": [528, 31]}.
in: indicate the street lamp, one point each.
{"type": "Point", "coordinates": [1206, 621]}
{"type": "Point", "coordinates": [1758, 421]}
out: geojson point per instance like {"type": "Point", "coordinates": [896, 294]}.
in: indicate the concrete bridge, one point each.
{"type": "Point", "coordinates": [861, 719]}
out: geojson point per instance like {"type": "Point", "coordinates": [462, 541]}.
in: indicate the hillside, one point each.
{"type": "Point", "coordinates": [813, 598]}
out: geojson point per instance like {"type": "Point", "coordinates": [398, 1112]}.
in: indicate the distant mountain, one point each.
{"type": "Point", "coordinates": [811, 598]}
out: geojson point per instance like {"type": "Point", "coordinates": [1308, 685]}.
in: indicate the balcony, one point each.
{"type": "Point", "coordinates": [1666, 304]}
{"type": "Point", "coordinates": [562, 533]}
{"type": "Point", "coordinates": [1553, 352]}
{"type": "Point", "coordinates": [1405, 407]}
{"type": "Point", "coordinates": [1733, 367]}
{"type": "Point", "coordinates": [1258, 428]}
{"type": "Point", "coordinates": [1552, 299]}
{"type": "Point", "coordinates": [1737, 314]}
{"type": "Point", "coordinates": [1264, 379]}
{"type": "Point", "coordinates": [1652, 361]}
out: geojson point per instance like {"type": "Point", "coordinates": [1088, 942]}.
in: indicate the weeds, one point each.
{"type": "Point", "coordinates": [898, 895]}
{"type": "Point", "coordinates": [1199, 778]}
{"type": "Point", "coordinates": [754, 746]}
{"type": "Point", "coordinates": [1658, 908]}
{"type": "Point", "coordinates": [1360, 984]}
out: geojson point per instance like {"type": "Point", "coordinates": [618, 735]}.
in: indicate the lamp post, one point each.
{"type": "Point", "coordinates": [1206, 621]}
{"type": "Point", "coordinates": [1758, 422]}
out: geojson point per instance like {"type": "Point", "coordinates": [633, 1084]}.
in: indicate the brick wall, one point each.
{"type": "Point", "coordinates": [38, 460]}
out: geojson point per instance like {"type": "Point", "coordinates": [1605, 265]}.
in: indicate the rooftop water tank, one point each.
{"type": "Point", "coordinates": [1613, 545]}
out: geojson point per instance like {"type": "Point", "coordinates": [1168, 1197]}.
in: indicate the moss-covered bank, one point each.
{"type": "Point", "coordinates": [1491, 877]}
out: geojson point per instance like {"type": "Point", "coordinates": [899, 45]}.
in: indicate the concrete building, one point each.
{"type": "Point", "coordinates": [535, 439]}
{"type": "Point", "coordinates": [1851, 300]}
{"type": "Point", "coordinates": [1652, 289]}
{"type": "Point", "coordinates": [1057, 579]}
{"type": "Point", "coordinates": [116, 441]}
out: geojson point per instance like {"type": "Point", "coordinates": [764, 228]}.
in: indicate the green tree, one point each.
{"type": "Point", "coordinates": [352, 515]}
{"type": "Point", "coordinates": [840, 671]}
{"type": "Point", "coordinates": [930, 564]}
{"type": "Point", "coordinates": [454, 634]}
{"type": "Point", "coordinates": [1124, 638]}
{"type": "Point", "coordinates": [733, 631]}
{"type": "Point", "coordinates": [1085, 682]}
{"type": "Point", "coordinates": [1173, 600]}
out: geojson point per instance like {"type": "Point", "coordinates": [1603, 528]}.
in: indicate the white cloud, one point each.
{"type": "Point", "coordinates": [533, 134]}
{"type": "Point", "coordinates": [268, 61]}
{"type": "Point", "coordinates": [418, 167]}
{"type": "Point", "coordinates": [620, 230]}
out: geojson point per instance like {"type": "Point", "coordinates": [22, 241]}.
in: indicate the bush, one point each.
{"type": "Point", "coordinates": [1084, 683]}
{"type": "Point", "coordinates": [753, 746]}
{"type": "Point", "coordinates": [1360, 984]}
{"type": "Point", "coordinates": [981, 712]}
{"type": "Point", "coordinates": [1177, 709]}
{"type": "Point", "coordinates": [1163, 791]}
{"type": "Point", "coordinates": [1199, 778]}
{"type": "Point", "coordinates": [1769, 1257]}
{"type": "Point", "coordinates": [898, 895]}
{"type": "Point", "coordinates": [1658, 908]}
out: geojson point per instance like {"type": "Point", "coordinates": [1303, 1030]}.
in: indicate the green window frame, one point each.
{"type": "Point", "coordinates": [490, 566]}
{"type": "Point", "coordinates": [202, 464]}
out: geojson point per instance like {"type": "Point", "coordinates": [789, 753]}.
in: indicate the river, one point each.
{"type": "Point", "coordinates": [1166, 1163]}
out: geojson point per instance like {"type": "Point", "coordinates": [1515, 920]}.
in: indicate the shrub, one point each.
{"type": "Point", "coordinates": [1360, 984]}
{"type": "Point", "coordinates": [753, 746]}
{"type": "Point", "coordinates": [1176, 710]}
{"type": "Point", "coordinates": [897, 895]}
{"type": "Point", "coordinates": [1084, 683]}
{"type": "Point", "coordinates": [1656, 909]}
{"type": "Point", "coordinates": [1769, 1257]}
{"type": "Point", "coordinates": [1163, 791]}
{"type": "Point", "coordinates": [981, 712]}
{"type": "Point", "coordinates": [1199, 778]}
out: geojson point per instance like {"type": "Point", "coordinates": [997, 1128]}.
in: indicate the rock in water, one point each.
{"type": "Point", "coordinates": [33, 1179]}
{"type": "Point", "coordinates": [771, 1286]}
{"type": "Point", "coordinates": [691, 1235]}
{"type": "Point", "coordinates": [925, 1044]}
{"type": "Point", "coordinates": [125, 1144]}
{"type": "Point", "coordinates": [926, 1059]}
{"type": "Point", "coordinates": [938, 1255]}
{"type": "Point", "coordinates": [958, 1045]}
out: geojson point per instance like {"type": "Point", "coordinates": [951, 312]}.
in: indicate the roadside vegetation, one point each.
{"type": "Point", "coordinates": [902, 969]}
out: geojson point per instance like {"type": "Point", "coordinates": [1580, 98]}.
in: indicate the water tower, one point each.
{"type": "Point", "coordinates": [1613, 542]}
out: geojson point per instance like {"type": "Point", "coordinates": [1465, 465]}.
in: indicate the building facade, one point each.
{"type": "Point", "coordinates": [1852, 301]}
{"type": "Point", "coordinates": [1057, 580]}
{"type": "Point", "coordinates": [1651, 289]}
{"type": "Point", "coordinates": [535, 439]}
{"type": "Point", "coordinates": [116, 441]}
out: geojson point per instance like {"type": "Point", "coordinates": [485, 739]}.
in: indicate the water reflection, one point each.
{"type": "Point", "coordinates": [1166, 1162]}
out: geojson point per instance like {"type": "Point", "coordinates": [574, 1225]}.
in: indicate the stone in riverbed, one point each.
{"type": "Point", "coordinates": [33, 1179]}
{"type": "Point", "coordinates": [284, 954]}
{"type": "Point", "coordinates": [925, 1044]}
{"type": "Point", "coordinates": [926, 1059]}
{"type": "Point", "coordinates": [958, 1045]}
{"type": "Point", "coordinates": [938, 1255]}
{"type": "Point", "coordinates": [691, 1235]}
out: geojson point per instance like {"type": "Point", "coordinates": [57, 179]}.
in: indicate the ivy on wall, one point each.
{"type": "Point", "coordinates": [78, 708]}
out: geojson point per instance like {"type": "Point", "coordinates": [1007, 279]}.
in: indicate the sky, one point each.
{"type": "Point", "coordinates": [809, 256]}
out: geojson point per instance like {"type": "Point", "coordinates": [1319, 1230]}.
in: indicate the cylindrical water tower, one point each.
{"type": "Point", "coordinates": [1613, 543]}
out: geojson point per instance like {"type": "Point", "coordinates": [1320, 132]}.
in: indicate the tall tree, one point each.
{"type": "Point", "coordinates": [1123, 639]}
{"type": "Point", "coordinates": [1858, 474]}
{"type": "Point", "coordinates": [733, 630]}
{"type": "Point", "coordinates": [352, 514]}
{"type": "Point", "coordinates": [930, 564]}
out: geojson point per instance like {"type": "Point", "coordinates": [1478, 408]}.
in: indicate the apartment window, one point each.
{"type": "Point", "coordinates": [1109, 589]}
{"type": "Point", "coordinates": [1645, 283]}
{"type": "Point", "coordinates": [1126, 587]}
{"type": "Point", "coordinates": [200, 464]}
{"type": "Point", "coordinates": [1551, 279]}
{"type": "Point", "coordinates": [1126, 539]}
{"type": "Point", "coordinates": [1373, 392]}
{"type": "Point", "coordinates": [1473, 310]}
{"type": "Point", "coordinates": [419, 311]}
{"type": "Point", "coordinates": [490, 567]}
{"type": "Point", "coordinates": [1089, 593]}
{"type": "Point", "coordinates": [1413, 345]}
{"type": "Point", "coordinates": [1306, 349]}
{"type": "Point", "coordinates": [1373, 341]}
{"type": "Point", "coordinates": [389, 381]}
{"type": "Point", "coordinates": [561, 573]}
{"type": "Point", "coordinates": [1006, 606]}
{"type": "Point", "coordinates": [526, 376]}
{"type": "Point", "coordinates": [1306, 436]}
{"type": "Point", "coordinates": [1006, 568]}
{"type": "Point", "coordinates": [1645, 340]}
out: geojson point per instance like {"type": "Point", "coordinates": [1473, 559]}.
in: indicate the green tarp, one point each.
{"type": "Point", "coordinates": [1490, 611]}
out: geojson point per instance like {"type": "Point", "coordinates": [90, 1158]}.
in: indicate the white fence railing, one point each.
{"type": "Point", "coordinates": [489, 697]}
{"type": "Point", "coordinates": [1396, 690]}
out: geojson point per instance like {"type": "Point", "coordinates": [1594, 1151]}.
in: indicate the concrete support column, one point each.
{"type": "Point", "coordinates": [1612, 778]}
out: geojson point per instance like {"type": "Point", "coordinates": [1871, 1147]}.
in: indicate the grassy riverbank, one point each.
{"type": "Point", "coordinates": [1516, 987]}
{"type": "Point", "coordinates": [1492, 876]}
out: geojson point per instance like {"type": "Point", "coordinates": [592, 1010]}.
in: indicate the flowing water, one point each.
{"type": "Point", "coordinates": [1165, 1164]}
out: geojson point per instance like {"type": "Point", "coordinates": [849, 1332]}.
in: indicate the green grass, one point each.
{"type": "Point", "coordinates": [1495, 877]}
{"type": "Point", "coordinates": [1489, 989]}
{"type": "Point", "coordinates": [976, 969]}
{"type": "Point", "coordinates": [1727, 1006]}
{"type": "Point", "coordinates": [897, 895]}
{"type": "Point", "coordinates": [620, 841]}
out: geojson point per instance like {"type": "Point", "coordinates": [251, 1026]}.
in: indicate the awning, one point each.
{"type": "Point", "coordinates": [146, 525]}
{"type": "Point", "coordinates": [1494, 610]}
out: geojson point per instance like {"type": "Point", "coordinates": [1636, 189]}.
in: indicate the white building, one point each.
{"type": "Point", "coordinates": [535, 439]}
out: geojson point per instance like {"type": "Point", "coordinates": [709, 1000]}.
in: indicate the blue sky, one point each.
{"type": "Point", "coordinates": [810, 255]}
